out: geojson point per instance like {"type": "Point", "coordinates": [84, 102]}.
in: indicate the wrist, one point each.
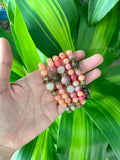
{"type": "Point", "coordinates": [6, 153]}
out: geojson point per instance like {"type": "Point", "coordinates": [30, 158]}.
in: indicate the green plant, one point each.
{"type": "Point", "coordinates": [42, 28]}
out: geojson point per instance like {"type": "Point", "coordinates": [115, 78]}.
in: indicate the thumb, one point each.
{"type": "Point", "coordinates": [5, 63]}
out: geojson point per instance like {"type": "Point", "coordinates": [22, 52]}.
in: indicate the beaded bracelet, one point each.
{"type": "Point", "coordinates": [69, 88]}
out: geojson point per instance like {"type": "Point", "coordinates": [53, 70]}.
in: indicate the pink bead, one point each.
{"type": "Point", "coordinates": [76, 83]}
{"type": "Point", "coordinates": [68, 66]}
{"type": "Point", "coordinates": [77, 89]}
{"type": "Point", "coordinates": [44, 73]}
{"type": "Point", "coordinates": [64, 95]}
{"type": "Point", "coordinates": [73, 95]}
{"type": "Point", "coordinates": [68, 52]}
{"type": "Point", "coordinates": [61, 91]}
{"type": "Point", "coordinates": [68, 100]}
{"type": "Point", "coordinates": [61, 101]}
{"type": "Point", "coordinates": [55, 58]}
{"type": "Point", "coordinates": [49, 60]}
{"type": "Point", "coordinates": [50, 64]}
{"type": "Point", "coordinates": [81, 78]}
{"type": "Point", "coordinates": [58, 97]}
{"type": "Point", "coordinates": [59, 86]}
{"type": "Point", "coordinates": [41, 66]}
{"type": "Point", "coordinates": [78, 72]}
{"type": "Point", "coordinates": [81, 98]}
{"type": "Point", "coordinates": [71, 56]}
{"type": "Point", "coordinates": [71, 72]}
{"type": "Point", "coordinates": [66, 61]}
{"type": "Point", "coordinates": [65, 80]}
{"type": "Point", "coordinates": [58, 63]}
{"type": "Point", "coordinates": [64, 105]}
{"type": "Point", "coordinates": [80, 93]}
{"type": "Point", "coordinates": [82, 102]}
{"type": "Point", "coordinates": [75, 100]}
{"type": "Point", "coordinates": [53, 69]}
{"type": "Point", "coordinates": [62, 55]}
{"type": "Point", "coordinates": [78, 106]}
{"type": "Point", "coordinates": [73, 77]}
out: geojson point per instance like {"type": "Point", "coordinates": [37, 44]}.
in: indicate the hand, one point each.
{"type": "Point", "coordinates": [26, 107]}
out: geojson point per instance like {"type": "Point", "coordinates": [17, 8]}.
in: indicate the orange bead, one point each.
{"type": "Point", "coordinates": [80, 94]}
{"type": "Point", "coordinates": [68, 52]}
{"type": "Point", "coordinates": [64, 95]}
{"type": "Point", "coordinates": [68, 100]}
{"type": "Point", "coordinates": [71, 72]}
{"type": "Point", "coordinates": [64, 105]}
{"type": "Point", "coordinates": [44, 73]}
{"type": "Point", "coordinates": [75, 99]}
{"type": "Point", "coordinates": [55, 58]}
{"type": "Point", "coordinates": [82, 102]}
{"type": "Point", "coordinates": [41, 66]}
{"type": "Point", "coordinates": [66, 61]}
{"type": "Point", "coordinates": [50, 64]}
{"type": "Point", "coordinates": [81, 78]}
{"type": "Point", "coordinates": [61, 91]}
{"type": "Point", "coordinates": [49, 60]}
{"type": "Point", "coordinates": [61, 101]}
{"type": "Point", "coordinates": [58, 97]}
{"type": "Point", "coordinates": [76, 83]}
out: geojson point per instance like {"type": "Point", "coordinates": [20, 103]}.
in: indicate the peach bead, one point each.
{"type": "Point", "coordinates": [41, 66]}
{"type": "Point", "coordinates": [75, 99]}
{"type": "Point", "coordinates": [50, 64]}
{"type": "Point", "coordinates": [49, 60]}
{"type": "Point", "coordinates": [66, 61]}
{"type": "Point", "coordinates": [82, 102]}
{"type": "Point", "coordinates": [64, 105]}
{"type": "Point", "coordinates": [64, 95]}
{"type": "Point", "coordinates": [61, 101]}
{"type": "Point", "coordinates": [44, 73]}
{"type": "Point", "coordinates": [71, 72]}
{"type": "Point", "coordinates": [68, 100]}
{"type": "Point", "coordinates": [80, 94]}
{"type": "Point", "coordinates": [61, 91]}
{"type": "Point", "coordinates": [81, 78]}
{"type": "Point", "coordinates": [58, 97]}
{"type": "Point", "coordinates": [55, 58]}
{"type": "Point", "coordinates": [76, 83]}
{"type": "Point", "coordinates": [68, 52]}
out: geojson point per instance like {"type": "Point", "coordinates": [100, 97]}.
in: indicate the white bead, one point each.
{"type": "Point", "coordinates": [50, 86]}
{"type": "Point", "coordinates": [61, 69]}
{"type": "Point", "coordinates": [70, 89]}
{"type": "Point", "coordinates": [72, 108]}
{"type": "Point", "coordinates": [67, 109]}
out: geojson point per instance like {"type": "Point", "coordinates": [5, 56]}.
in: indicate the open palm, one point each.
{"type": "Point", "coordinates": [26, 106]}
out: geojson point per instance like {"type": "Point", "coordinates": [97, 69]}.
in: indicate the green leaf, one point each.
{"type": "Point", "coordinates": [47, 25]}
{"type": "Point", "coordinates": [98, 9]}
{"type": "Point", "coordinates": [81, 139]}
{"type": "Point", "coordinates": [110, 154]}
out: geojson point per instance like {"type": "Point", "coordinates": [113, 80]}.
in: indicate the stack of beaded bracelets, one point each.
{"type": "Point", "coordinates": [67, 84]}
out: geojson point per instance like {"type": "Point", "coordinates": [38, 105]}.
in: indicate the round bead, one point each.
{"type": "Point", "coordinates": [82, 102]}
{"type": "Point", "coordinates": [53, 69]}
{"type": "Point", "coordinates": [44, 73]}
{"type": "Point", "coordinates": [64, 105]}
{"type": "Point", "coordinates": [55, 58]}
{"type": "Point", "coordinates": [77, 89]}
{"type": "Point", "coordinates": [41, 66]}
{"type": "Point", "coordinates": [71, 72]}
{"type": "Point", "coordinates": [68, 52]}
{"type": "Point", "coordinates": [66, 61]}
{"type": "Point", "coordinates": [45, 78]}
{"type": "Point", "coordinates": [67, 108]}
{"type": "Point", "coordinates": [54, 93]}
{"type": "Point", "coordinates": [59, 86]}
{"type": "Point", "coordinates": [58, 97]}
{"type": "Point", "coordinates": [87, 96]}
{"type": "Point", "coordinates": [84, 86]}
{"type": "Point", "coordinates": [50, 64]}
{"type": "Point", "coordinates": [58, 63]}
{"type": "Point", "coordinates": [71, 56]}
{"type": "Point", "coordinates": [50, 86]}
{"type": "Point", "coordinates": [70, 89]}
{"type": "Point", "coordinates": [81, 98]}
{"type": "Point", "coordinates": [61, 101]}
{"type": "Point", "coordinates": [56, 78]}
{"type": "Point", "coordinates": [64, 95]}
{"type": "Point", "coordinates": [73, 95]}
{"type": "Point", "coordinates": [78, 106]}
{"type": "Point", "coordinates": [76, 83]}
{"type": "Point", "coordinates": [86, 90]}
{"type": "Point", "coordinates": [68, 66]}
{"type": "Point", "coordinates": [65, 80]}
{"type": "Point", "coordinates": [70, 104]}
{"type": "Point", "coordinates": [72, 108]}
{"type": "Point", "coordinates": [61, 91]}
{"type": "Point", "coordinates": [81, 78]}
{"type": "Point", "coordinates": [78, 72]}
{"type": "Point", "coordinates": [68, 100]}
{"type": "Point", "coordinates": [62, 55]}
{"type": "Point", "coordinates": [73, 77]}
{"type": "Point", "coordinates": [49, 60]}
{"type": "Point", "coordinates": [61, 69]}
{"type": "Point", "coordinates": [74, 64]}
{"type": "Point", "coordinates": [75, 100]}
{"type": "Point", "coordinates": [80, 93]}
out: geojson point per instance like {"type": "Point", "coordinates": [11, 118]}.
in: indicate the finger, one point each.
{"type": "Point", "coordinates": [5, 63]}
{"type": "Point", "coordinates": [90, 63]}
{"type": "Point", "coordinates": [79, 55]}
{"type": "Point", "coordinates": [92, 75]}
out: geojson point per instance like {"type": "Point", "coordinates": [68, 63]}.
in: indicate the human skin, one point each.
{"type": "Point", "coordinates": [26, 107]}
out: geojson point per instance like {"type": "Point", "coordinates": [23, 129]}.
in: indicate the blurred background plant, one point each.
{"type": "Point", "coordinates": [43, 28]}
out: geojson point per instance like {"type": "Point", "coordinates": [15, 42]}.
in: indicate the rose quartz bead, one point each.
{"type": "Point", "coordinates": [53, 69]}
{"type": "Point", "coordinates": [65, 80]}
{"type": "Point", "coordinates": [76, 83]}
{"type": "Point", "coordinates": [71, 56]}
{"type": "Point", "coordinates": [41, 66]}
{"type": "Point", "coordinates": [71, 72]}
{"type": "Point", "coordinates": [78, 72]}
{"type": "Point", "coordinates": [68, 66]}
{"type": "Point", "coordinates": [81, 78]}
{"type": "Point", "coordinates": [58, 97]}
{"type": "Point", "coordinates": [81, 98]}
{"type": "Point", "coordinates": [61, 91]}
{"type": "Point", "coordinates": [68, 100]}
{"type": "Point", "coordinates": [64, 95]}
{"type": "Point", "coordinates": [61, 101]}
{"type": "Point", "coordinates": [66, 61]}
{"type": "Point", "coordinates": [50, 64]}
{"type": "Point", "coordinates": [82, 102]}
{"type": "Point", "coordinates": [75, 99]}
{"type": "Point", "coordinates": [49, 60]}
{"type": "Point", "coordinates": [78, 106]}
{"type": "Point", "coordinates": [44, 73]}
{"type": "Point", "coordinates": [62, 55]}
{"type": "Point", "coordinates": [77, 89]}
{"type": "Point", "coordinates": [73, 95]}
{"type": "Point", "coordinates": [64, 105]}
{"type": "Point", "coordinates": [80, 94]}
{"type": "Point", "coordinates": [73, 77]}
{"type": "Point", "coordinates": [59, 86]}
{"type": "Point", "coordinates": [68, 52]}
{"type": "Point", "coordinates": [55, 58]}
{"type": "Point", "coordinates": [58, 63]}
